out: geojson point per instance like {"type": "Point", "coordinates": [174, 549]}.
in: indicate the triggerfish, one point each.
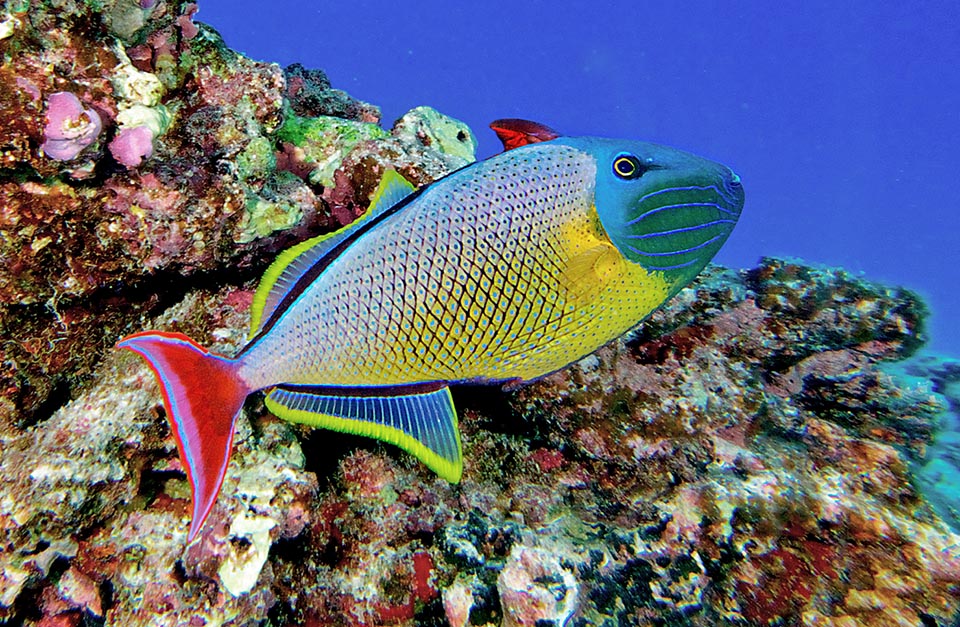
{"type": "Point", "coordinates": [502, 272]}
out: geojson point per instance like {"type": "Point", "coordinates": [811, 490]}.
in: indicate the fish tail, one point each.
{"type": "Point", "coordinates": [203, 394]}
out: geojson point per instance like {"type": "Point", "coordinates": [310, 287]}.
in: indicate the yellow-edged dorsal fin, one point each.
{"type": "Point", "coordinates": [392, 189]}
{"type": "Point", "coordinates": [287, 269]}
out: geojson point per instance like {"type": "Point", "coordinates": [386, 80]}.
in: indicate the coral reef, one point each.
{"type": "Point", "coordinates": [139, 157]}
{"type": "Point", "coordinates": [675, 479]}
{"type": "Point", "coordinates": [938, 472]}
{"type": "Point", "coordinates": [768, 449]}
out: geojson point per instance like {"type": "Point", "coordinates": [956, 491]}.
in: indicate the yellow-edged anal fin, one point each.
{"type": "Point", "coordinates": [587, 272]}
{"type": "Point", "coordinates": [423, 423]}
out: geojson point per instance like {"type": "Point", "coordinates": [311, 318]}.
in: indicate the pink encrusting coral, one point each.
{"type": "Point", "coordinates": [132, 145]}
{"type": "Point", "coordinates": [70, 128]}
{"type": "Point", "coordinates": [187, 28]}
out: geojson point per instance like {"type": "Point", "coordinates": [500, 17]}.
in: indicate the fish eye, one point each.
{"type": "Point", "coordinates": [627, 166]}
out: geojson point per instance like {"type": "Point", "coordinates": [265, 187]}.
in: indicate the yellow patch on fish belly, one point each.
{"type": "Point", "coordinates": [601, 295]}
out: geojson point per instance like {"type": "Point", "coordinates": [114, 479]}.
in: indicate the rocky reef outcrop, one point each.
{"type": "Point", "coordinates": [767, 449]}
{"type": "Point", "coordinates": [140, 157]}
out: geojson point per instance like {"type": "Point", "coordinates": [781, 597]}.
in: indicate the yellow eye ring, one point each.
{"type": "Point", "coordinates": [627, 166]}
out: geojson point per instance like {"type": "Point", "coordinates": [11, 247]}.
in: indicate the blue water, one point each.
{"type": "Point", "coordinates": [843, 119]}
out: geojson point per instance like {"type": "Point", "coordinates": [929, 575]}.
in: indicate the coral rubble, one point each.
{"type": "Point", "coordinates": [765, 450]}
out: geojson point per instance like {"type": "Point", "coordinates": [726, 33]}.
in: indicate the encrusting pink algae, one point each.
{"type": "Point", "coordinates": [70, 128]}
{"type": "Point", "coordinates": [751, 455]}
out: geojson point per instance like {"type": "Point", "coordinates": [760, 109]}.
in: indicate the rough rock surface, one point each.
{"type": "Point", "coordinates": [245, 159]}
{"type": "Point", "coordinates": [765, 450]}
{"type": "Point", "coordinates": [668, 479]}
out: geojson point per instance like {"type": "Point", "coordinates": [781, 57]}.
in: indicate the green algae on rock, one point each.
{"type": "Point", "coordinates": [429, 127]}
{"type": "Point", "coordinates": [325, 141]}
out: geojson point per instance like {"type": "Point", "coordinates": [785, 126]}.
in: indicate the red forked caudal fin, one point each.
{"type": "Point", "coordinates": [202, 395]}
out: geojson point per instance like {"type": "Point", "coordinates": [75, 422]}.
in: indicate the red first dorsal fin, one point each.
{"type": "Point", "coordinates": [514, 132]}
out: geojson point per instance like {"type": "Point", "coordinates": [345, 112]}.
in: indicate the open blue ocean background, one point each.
{"type": "Point", "coordinates": [842, 118]}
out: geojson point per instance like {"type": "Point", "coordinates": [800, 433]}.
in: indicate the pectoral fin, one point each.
{"type": "Point", "coordinates": [588, 271]}
{"type": "Point", "coordinates": [419, 419]}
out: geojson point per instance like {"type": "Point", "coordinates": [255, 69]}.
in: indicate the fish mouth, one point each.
{"type": "Point", "coordinates": [684, 225]}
